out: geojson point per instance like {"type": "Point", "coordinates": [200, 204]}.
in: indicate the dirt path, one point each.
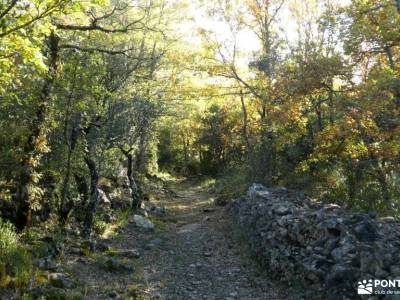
{"type": "Point", "coordinates": [191, 255]}
{"type": "Point", "coordinates": [197, 258]}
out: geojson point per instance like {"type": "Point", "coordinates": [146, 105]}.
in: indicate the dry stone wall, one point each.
{"type": "Point", "coordinates": [323, 248]}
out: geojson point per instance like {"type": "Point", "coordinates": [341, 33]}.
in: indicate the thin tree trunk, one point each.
{"type": "Point", "coordinates": [384, 188]}
{"type": "Point", "coordinates": [141, 156]}
{"type": "Point", "coordinates": [353, 177]}
{"type": "Point", "coordinates": [136, 200]}
{"type": "Point", "coordinates": [250, 153]}
{"type": "Point", "coordinates": [245, 125]}
{"type": "Point", "coordinates": [66, 204]}
{"type": "Point", "coordinates": [82, 187]}
{"type": "Point", "coordinates": [331, 106]}
{"type": "Point", "coordinates": [94, 188]}
{"type": "Point", "coordinates": [135, 190]}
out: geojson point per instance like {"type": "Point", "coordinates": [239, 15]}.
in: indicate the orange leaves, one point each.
{"type": "Point", "coordinates": [41, 144]}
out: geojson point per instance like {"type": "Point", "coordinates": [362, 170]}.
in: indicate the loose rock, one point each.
{"type": "Point", "coordinates": [143, 222]}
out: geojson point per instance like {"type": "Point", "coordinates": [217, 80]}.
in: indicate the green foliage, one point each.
{"type": "Point", "coordinates": [233, 183]}
{"type": "Point", "coordinates": [16, 267]}
{"type": "Point", "coordinates": [318, 112]}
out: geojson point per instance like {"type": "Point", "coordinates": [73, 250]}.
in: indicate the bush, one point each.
{"type": "Point", "coordinates": [15, 262]}
{"type": "Point", "coordinates": [232, 184]}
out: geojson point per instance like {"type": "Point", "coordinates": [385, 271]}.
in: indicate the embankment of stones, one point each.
{"type": "Point", "coordinates": [323, 249]}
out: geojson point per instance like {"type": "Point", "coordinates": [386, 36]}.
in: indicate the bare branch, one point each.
{"type": "Point", "coordinates": [100, 50]}
{"type": "Point", "coordinates": [95, 27]}
{"type": "Point", "coordinates": [272, 19]}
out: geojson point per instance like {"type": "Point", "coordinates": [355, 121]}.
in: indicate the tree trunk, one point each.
{"type": "Point", "coordinates": [250, 153]}
{"type": "Point", "coordinates": [66, 204]}
{"type": "Point", "coordinates": [93, 198]}
{"type": "Point", "coordinates": [141, 156]}
{"type": "Point", "coordinates": [392, 64]}
{"type": "Point", "coordinates": [36, 140]}
{"type": "Point", "coordinates": [185, 148]}
{"type": "Point", "coordinates": [136, 201]}
{"type": "Point", "coordinates": [384, 188]}
{"type": "Point", "coordinates": [94, 192]}
{"type": "Point", "coordinates": [354, 174]}
{"type": "Point", "coordinates": [82, 187]}
{"type": "Point", "coordinates": [245, 126]}
{"type": "Point", "coordinates": [135, 190]}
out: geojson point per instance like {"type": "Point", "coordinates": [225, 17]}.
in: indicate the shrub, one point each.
{"type": "Point", "coordinates": [15, 262]}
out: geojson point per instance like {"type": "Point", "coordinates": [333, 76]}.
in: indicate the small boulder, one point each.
{"type": "Point", "coordinates": [157, 211]}
{"type": "Point", "coordinates": [104, 202]}
{"type": "Point", "coordinates": [143, 222]}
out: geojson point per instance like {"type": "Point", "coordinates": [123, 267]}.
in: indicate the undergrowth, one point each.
{"type": "Point", "coordinates": [16, 268]}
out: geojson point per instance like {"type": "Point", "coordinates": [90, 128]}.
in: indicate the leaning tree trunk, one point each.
{"type": "Point", "coordinates": [36, 141]}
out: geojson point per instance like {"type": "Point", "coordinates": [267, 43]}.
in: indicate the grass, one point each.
{"type": "Point", "coordinates": [16, 268]}
{"type": "Point", "coordinates": [122, 219]}
{"type": "Point", "coordinates": [159, 223]}
{"type": "Point", "coordinates": [207, 182]}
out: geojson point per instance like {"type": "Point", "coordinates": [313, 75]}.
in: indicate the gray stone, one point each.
{"type": "Point", "coordinates": [282, 210]}
{"type": "Point", "coordinates": [103, 201]}
{"type": "Point", "coordinates": [157, 211]}
{"type": "Point", "coordinates": [302, 240]}
{"type": "Point", "coordinates": [388, 219]}
{"type": "Point", "coordinates": [143, 222]}
{"type": "Point", "coordinates": [366, 231]}
{"type": "Point", "coordinates": [395, 270]}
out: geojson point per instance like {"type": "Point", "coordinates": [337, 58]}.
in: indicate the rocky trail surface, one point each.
{"type": "Point", "coordinates": [193, 253]}
{"type": "Point", "coordinates": [197, 257]}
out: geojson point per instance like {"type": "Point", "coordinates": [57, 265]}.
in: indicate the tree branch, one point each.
{"type": "Point", "coordinates": [39, 16]}
{"type": "Point", "coordinates": [7, 10]}
{"type": "Point", "coordinates": [95, 27]}
{"type": "Point", "coordinates": [100, 50]}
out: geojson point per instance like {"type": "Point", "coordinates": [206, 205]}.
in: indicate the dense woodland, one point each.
{"type": "Point", "coordinates": [94, 90]}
